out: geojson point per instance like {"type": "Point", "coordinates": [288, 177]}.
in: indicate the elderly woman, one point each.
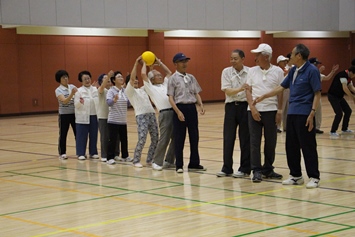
{"type": "Point", "coordinates": [66, 118]}
{"type": "Point", "coordinates": [86, 102]}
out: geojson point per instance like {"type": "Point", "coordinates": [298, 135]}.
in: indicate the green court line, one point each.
{"type": "Point", "coordinates": [192, 200]}
{"type": "Point", "coordinates": [332, 232]}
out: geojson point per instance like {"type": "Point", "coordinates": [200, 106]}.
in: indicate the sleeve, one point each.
{"type": "Point", "coordinates": [171, 87]}
{"type": "Point", "coordinates": [225, 82]}
{"type": "Point", "coordinates": [343, 80]}
{"type": "Point", "coordinates": [287, 81]}
{"type": "Point", "coordinates": [315, 80]}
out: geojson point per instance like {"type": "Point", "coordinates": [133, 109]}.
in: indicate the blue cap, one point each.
{"type": "Point", "coordinates": [179, 57]}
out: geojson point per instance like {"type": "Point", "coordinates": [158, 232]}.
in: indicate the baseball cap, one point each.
{"type": "Point", "coordinates": [263, 48]}
{"type": "Point", "coordinates": [281, 58]}
{"type": "Point", "coordinates": [314, 61]}
{"type": "Point", "coordinates": [179, 57]}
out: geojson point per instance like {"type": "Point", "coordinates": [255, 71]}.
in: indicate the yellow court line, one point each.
{"type": "Point", "coordinates": [49, 226]}
{"type": "Point", "coordinates": [171, 209]}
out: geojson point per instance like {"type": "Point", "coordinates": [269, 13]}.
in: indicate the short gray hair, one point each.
{"type": "Point", "coordinates": [268, 54]}
{"type": "Point", "coordinates": [151, 74]}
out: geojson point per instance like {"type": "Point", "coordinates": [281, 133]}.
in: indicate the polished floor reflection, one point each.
{"type": "Point", "coordinates": [44, 196]}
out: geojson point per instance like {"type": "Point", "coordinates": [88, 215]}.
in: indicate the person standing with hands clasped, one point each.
{"type": "Point", "coordinates": [183, 92]}
{"type": "Point", "coordinates": [233, 80]}
{"type": "Point", "coordinates": [305, 91]}
{"type": "Point", "coordinates": [65, 94]}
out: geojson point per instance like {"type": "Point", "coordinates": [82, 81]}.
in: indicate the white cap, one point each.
{"type": "Point", "coordinates": [281, 58]}
{"type": "Point", "coordinates": [263, 48]}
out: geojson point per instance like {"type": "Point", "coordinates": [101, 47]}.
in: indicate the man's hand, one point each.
{"type": "Point", "coordinates": [255, 113]}
{"type": "Point", "coordinates": [181, 116]}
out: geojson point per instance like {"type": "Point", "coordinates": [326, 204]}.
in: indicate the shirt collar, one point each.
{"type": "Point", "coordinates": [63, 87]}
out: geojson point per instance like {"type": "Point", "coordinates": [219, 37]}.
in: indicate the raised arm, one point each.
{"type": "Point", "coordinates": [144, 72]}
{"type": "Point", "coordinates": [331, 74]}
{"type": "Point", "coordinates": [134, 70]}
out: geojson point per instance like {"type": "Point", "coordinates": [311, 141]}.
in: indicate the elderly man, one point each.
{"type": "Point", "coordinates": [156, 87]}
{"type": "Point", "coordinates": [264, 116]}
{"type": "Point", "coordinates": [233, 81]}
{"type": "Point", "coordinates": [305, 86]}
{"type": "Point", "coordinates": [183, 91]}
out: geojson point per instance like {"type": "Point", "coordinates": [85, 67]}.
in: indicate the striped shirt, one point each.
{"type": "Point", "coordinates": [65, 108]}
{"type": "Point", "coordinates": [117, 110]}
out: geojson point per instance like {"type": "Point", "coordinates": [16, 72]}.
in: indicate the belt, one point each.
{"type": "Point", "coordinates": [238, 102]}
{"type": "Point", "coordinates": [165, 110]}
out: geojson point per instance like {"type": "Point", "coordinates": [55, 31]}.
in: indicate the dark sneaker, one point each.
{"type": "Point", "coordinates": [197, 168]}
{"type": "Point", "coordinates": [272, 175]}
{"type": "Point", "coordinates": [319, 131]}
{"type": "Point", "coordinates": [256, 177]}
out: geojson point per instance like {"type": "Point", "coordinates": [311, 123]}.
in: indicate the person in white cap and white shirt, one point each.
{"type": "Point", "coordinates": [282, 63]}
{"type": "Point", "coordinates": [263, 116]}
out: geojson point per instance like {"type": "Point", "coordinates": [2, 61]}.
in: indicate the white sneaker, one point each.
{"type": "Point", "coordinates": [333, 134]}
{"type": "Point", "coordinates": [222, 174]}
{"type": "Point", "coordinates": [138, 165]}
{"type": "Point", "coordinates": [240, 174]}
{"type": "Point", "coordinates": [313, 183]}
{"type": "Point", "coordinates": [127, 159]}
{"type": "Point", "coordinates": [63, 157]}
{"type": "Point", "coordinates": [81, 158]}
{"type": "Point", "coordinates": [103, 159]}
{"type": "Point", "coordinates": [94, 156]}
{"type": "Point", "coordinates": [180, 171]}
{"type": "Point", "coordinates": [347, 132]}
{"type": "Point", "coordinates": [293, 181]}
{"type": "Point", "coordinates": [111, 161]}
{"type": "Point", "coordinates": [117, 158]}
{"type": "Point", "coordinates": [156, 167]}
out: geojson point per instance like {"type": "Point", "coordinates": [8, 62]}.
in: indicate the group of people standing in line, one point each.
{"type": "Point", "coordinates": [257, 99]}
{"type": "Point", "coordinates": [103, 108]}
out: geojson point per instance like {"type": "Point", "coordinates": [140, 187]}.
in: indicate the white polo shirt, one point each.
{"type": "Point", "coordinates": [231, 78]}
{"type": "Point", "coordinates": [262, 82]}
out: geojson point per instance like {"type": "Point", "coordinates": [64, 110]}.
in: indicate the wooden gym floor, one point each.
{"type": "Point", "coordinates": [44, 196]}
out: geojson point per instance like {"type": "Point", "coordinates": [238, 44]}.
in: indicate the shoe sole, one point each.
{"type": "Point", "coordinates": [223, 175]}
{"type": "Point", "coordinates": [256, 181]}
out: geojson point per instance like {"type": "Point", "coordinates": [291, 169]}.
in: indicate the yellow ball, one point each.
{"type": "Point", "coordinates": [148, 57]}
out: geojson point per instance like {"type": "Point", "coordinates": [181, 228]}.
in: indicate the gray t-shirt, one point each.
{"type": "Point", "coordinates": [65, 108]}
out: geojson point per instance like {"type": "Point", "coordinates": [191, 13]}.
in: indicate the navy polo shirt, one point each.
{"type": "Point", "coordinates": [302, 91]}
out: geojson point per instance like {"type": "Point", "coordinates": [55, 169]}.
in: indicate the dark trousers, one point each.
{"type": "Point", "coordinates": [117, 132]}
{"type": "Point", "coordinates": [270, 135]}
{"type": "Point", "coordinates": [64, 122]}
{"type": "Point", "coordinates": [299, 138]}
{"type": "Point", "coordinates": [340, 106]}
{"type": "Point", "coordinates": [191, 123]}
{"type": "Point", "coordinates": [236, 114]}
{"type": "Point", "coordinates": [83, 132]}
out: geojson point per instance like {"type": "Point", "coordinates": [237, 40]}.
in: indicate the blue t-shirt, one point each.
{"type": "Point", "coordinates": [302, 90]}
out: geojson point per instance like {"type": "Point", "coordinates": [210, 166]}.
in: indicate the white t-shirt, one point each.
{"type": "Point", "coordinates": [139, 100]}
{"type": "Point", "coordinates": [262, 82]}
{"type": "Point", "coordinates": [158, 93]}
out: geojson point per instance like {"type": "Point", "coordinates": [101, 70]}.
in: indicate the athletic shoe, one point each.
{"type": "Point", "coordinates": [222, 174]}
{"type": "Point", "coordinates": [127, 159]}
{"type": "Point", "coordinates": [293, 181]}
{"type": "Point", "coordinates": [257, 177]}
{"type": "Point", "coordinates": [63, 157]}
{"type": "Point", "coordinates": [103, 159]}
{"type": "Point", "coordinates": [138, 165]}
{"type": "Point", "coordinates": [117, 158]}
{"type": "Point", "coordinates": [272, 175]}
{"type": "Point", "coordinates": [313, 183]}
{"type": "Point", "coordinates": [180, 170]}
{"type": "Point", "coordinates": [197, 168]}
{"type": "Point", "coordinates": [333, 134]}
{"type": "Point", "coordinates": [167, 165]}
{"type": "Point", "coordinates": [81, 158]}
{"type": "Point", "coordinates": [156, 167]}
{"type": "Point", "coordinates": [111, 161]}
{"type": "Point", "coordinates": [319, 131]}
{"type": "Point", "coordinates": [240, 174]}
{"type": "Point", "coordinates": [347, 132]}
{"type": "Point", "coordinates": [94, 156]}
